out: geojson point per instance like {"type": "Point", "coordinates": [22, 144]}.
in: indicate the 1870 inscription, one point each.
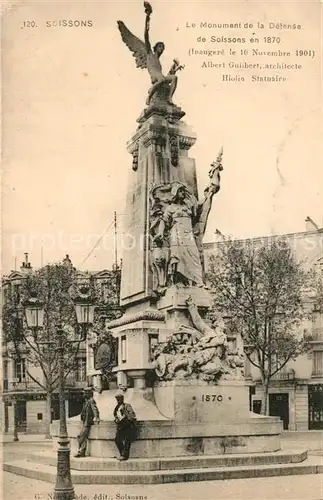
{"type": "Point", "coordinates": [215, 398]}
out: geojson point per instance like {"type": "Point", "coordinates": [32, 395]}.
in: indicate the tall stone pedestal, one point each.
{"type": "Point", "coordinates": [160, 155]}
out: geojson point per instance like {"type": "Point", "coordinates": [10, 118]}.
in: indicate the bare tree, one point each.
{"type": "Point", "coordinates": [52, 284]}
{"type": "Point", "coordinates": [259, 288]}
{"type": "Point", "coordinates": [56, 285]}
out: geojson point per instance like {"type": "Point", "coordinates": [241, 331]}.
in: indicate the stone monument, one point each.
{"type": "Point", "coordinates": [183, 376]}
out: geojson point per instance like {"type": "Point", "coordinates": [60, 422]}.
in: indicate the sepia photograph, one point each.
{"type": "Point", "coordinates": [162, 250]}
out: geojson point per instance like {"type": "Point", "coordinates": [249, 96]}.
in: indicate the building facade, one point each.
{"type": "Point", "coordinates": [296, 391]}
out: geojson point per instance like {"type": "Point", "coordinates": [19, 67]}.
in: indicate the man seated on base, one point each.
{"type": "Point", "coordinates": [89, 415]}
{"type": "Point", "coordinates": [125, 418]}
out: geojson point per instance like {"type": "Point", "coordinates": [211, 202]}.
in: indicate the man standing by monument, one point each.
{"type": "Point", "coordinates": [125, 418]}
{"type": "Point", "coordinates": [89, 415]}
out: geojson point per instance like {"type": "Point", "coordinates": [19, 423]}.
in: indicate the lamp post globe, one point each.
{"type": "Point", "coordinates": [84, 307]}
{"type": "Point", "coordinates": [34, 312]}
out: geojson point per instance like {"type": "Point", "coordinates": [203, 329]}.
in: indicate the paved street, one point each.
{"type": "Point", "coordinates": [303, 487]}
{"type": "Point", "coordinates": [307, 487]}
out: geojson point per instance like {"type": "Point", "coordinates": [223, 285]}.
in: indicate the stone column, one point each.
{"type": "Point", "coordinates": [160, 155]}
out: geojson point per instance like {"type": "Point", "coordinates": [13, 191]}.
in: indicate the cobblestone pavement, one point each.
{"type": "Point", "coordinates": [306, 487]}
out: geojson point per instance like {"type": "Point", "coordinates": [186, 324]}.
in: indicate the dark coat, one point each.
{"type": "Point", "coordinates": [129, 420]}
{"type": "Point", "coordinates": [89, 412]}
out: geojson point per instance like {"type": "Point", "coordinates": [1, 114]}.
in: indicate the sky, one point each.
{"type": "Point", "coordinates": [71, 97]}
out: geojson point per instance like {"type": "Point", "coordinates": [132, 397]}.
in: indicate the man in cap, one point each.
{"type": "Point", "coordinates": [89, 415]}
{"type": "Point", "coordinates": [125, 418]}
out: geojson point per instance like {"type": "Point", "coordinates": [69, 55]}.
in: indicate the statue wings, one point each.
{"type": "Point", "coordinates": [136, 46]}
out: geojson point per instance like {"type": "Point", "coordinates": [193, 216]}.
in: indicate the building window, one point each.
{"type": "Point", "coordinates": [80, 370]}
{"type": "Point", "coordinates": [5, 375]}
{"type": "Point", "coordinates": [116, 350]}
{"type": "Point", "coordinates": [256, 406]}
{"type": "Point", "coordinates": [123, 349]}
{"type": "Point", "coordinates": [317, 328]}
{"type": "Point", "coordinates": [5, 369]}
{"type": "Point", "coordinates": [153, 341]}
{"type": "Point", "coordinates": [317, 363]}
{"type": "Point", "coordinates": [20, 370]}
{"type": "Point", "coordinates": [315, 407]}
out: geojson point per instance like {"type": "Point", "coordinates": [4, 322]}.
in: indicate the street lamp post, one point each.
{"type": "Point", "coordinates": [15, 416]}
{"type": "Point", "coordinates": [15, 381]}
{"type": "Point", "coordinates": [84, 308]}
{"type": "Point", "coordinates": [15, 423]}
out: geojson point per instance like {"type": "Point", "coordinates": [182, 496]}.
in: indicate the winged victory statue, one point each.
{"type": "Point", "coordinates": [148, 57]}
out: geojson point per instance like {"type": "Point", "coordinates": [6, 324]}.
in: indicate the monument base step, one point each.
{"type": "Point", "coordinates": [49, 457]}
{"type": "Point", "coordinates": [138, 471]}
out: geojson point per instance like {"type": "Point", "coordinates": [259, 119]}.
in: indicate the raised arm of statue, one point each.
{"type": "Point", "coordinates": [148, 11]}
{"type": "Point", "coordinates": [147, 41]}
{"type": "Point", "coordinates": [205, 205]}
{"type": "Point", "coordinates": [197, 321]}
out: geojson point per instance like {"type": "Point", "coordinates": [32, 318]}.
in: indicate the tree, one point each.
{"type": "Point", "coordinates": [259, 288]}
{"type": "Point", "coordinates": [56, 285]}
{"type": "Point", "coordinates": [52, 284]}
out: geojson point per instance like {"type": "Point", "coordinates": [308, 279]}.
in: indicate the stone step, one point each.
{"type": "Point", "coordinates": [48, 473]}
{"type": "Point", "coordinates": [49, 457]}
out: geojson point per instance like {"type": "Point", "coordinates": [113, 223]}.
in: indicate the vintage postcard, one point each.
{"type": "Point", "coordinates": [162, 250]}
